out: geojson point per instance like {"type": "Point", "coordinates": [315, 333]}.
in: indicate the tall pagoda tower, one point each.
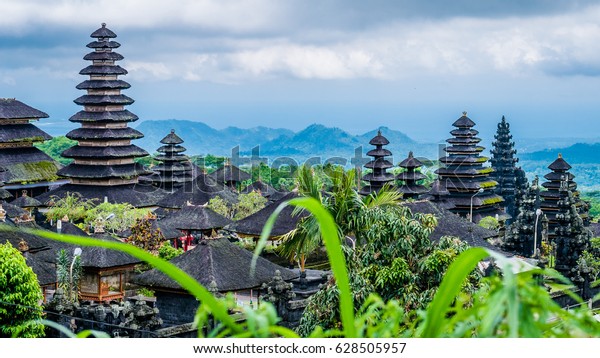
{"type": "Point", "coordinates": [559, 183]}
{"type": "Point", "coordinates": [466, 179]}
{"type": "Point", "coordinates": [411, 189]}
{"type": "Point", "coordinates": [23, 166]}
{"type": "Point", "coordinates": [175, 168]}
{"type": "Point", "coordinates": [503, 162]}
{"type": "Point", "coordinates": [103, 164]}
{"type": "Point", "coordinates": [379, 165]}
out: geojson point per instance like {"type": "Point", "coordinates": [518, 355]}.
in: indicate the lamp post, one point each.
{"type": "Point", "coordinates": [538, 212]}
{"type": "Point", "coordinates": [76, 254]}
{"type": "Point", "coordinates": [472, 196]}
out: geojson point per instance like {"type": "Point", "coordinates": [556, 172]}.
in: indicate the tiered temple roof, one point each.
{"type": "Point", "coordinates": [411, 177]}
{"type": "Point", "coordinates": [464, 176]}
{"type": "Point", "coordinates": [197, 192]}
{"type": "Point", "coordinates": [103, 160]}
{"type": "Point", "coordinates": [503, 162]}
{"type": "Point", "coordinates": [559, 183]}
{"type": "Point", "coordinates": [378, 176]}
{"type": "Point", "coordinates": [175, 168]}
{"type": "Point", "coordinates": [230, 175]}
{"type": "Point", "coordinates": [23, 166]}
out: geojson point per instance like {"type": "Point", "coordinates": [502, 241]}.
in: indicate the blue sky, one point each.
{"type": "Point", "coordinates": [413, 66]}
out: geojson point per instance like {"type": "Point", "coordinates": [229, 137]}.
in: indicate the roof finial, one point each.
{"type": "Point", "coordinates": [379, 132]}
{"type": "Point", "coordinates": [560, 155]}
{"type": "Point", "coordinates": [465, 113]}
{"type": "Point", "coordinates": [172, 131]}
{"type": "Point", "coordinates": [104, 24]}
{"type": "Point", "coordinates": [410, 154]}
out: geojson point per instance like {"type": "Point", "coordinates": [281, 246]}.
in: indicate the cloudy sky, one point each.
{"type": "Point", "coordinates": [409, 65]}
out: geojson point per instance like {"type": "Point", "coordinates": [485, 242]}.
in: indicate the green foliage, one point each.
{"type": "Point", "coordinates": [145, 292]}
{"type": "Point", "coordinates": [68, 279]}
{"type": "Point", "coordinates": [590, 258]}
{"type": "Point", "coordinates": [209, 162]}
{"type": "Point", "coordinates": [220, 206]}
{"type": "Point", "coordinates": [20, 296]}
{"type": "Point", "coordinates": [147, 161]}
{"type": "Point", "coordinates": [147, 238]}
{"type": "Point", "coordinates": [489, 223]}
{"type": "Point", "coordinates": [71, 205]}
{"type": "Point", "coordinates": [168, 252]}
{"type": "Point", "coordinates": [115, 217]}
{"type": "Point", "coordinates": [593, 198]}
{"type": "Point", "coordinates": [55, 146]}
{"type": "Point", "coordinates": [248, 204]}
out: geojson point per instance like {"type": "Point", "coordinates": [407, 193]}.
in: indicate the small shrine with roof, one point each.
{"type": "Point", "coordinates": [471, 191]}
{"type": "Point", "coordinates": [411, 189]}
{"type": "Point", "coordinates": [378, 176]}
{"type": "Point", "coordinates": [175, 168]}
{"type": "Point", "coordinates": [23, 166]}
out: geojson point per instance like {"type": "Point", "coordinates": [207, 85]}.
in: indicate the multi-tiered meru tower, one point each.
{"type": "Point", "coordinates": [175, 168]}
{"type": "Point", "coordinates": [378, 176]}
{"type": "Point", "coordinates": [103, 160]}
{"type": "Point", "coordinates": [471, 191]}
{"type": "Point", "coordinates": [411, 189]}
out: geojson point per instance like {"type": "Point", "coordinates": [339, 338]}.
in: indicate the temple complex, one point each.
{"type": "Point", "coordinates": [230, 175]}
{"type": "Point", "coordinates": [175, 168]}
{"type": "Point", "coordinates": [471, 191]}
{"type": "Point", "coordinates": [411, 189]}
{"type": "Point", "coordinates": [378, 176]}
{"type": "Point", "coordinates": [23, 166]}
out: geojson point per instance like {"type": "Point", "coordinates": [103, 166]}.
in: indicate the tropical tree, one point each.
{"type": "Point", "coordinates": [68, 277]}
{"type": "Point", "coordinates": [248, 204]}
{"type": "Point", "coordinates": [72, 206]}
{"type": "Point", "coordinates": [20, 296]}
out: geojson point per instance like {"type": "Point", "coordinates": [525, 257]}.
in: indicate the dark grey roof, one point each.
{"type": "Point", "coordinates": [18, 165]}
{"type": "Point", "coordinates": [104, 133]}
{"type": "Point", "coordinates": [103, 44]}
{"type": "Point", "coordinates": [559, 164]}
{"type": "Point", "coordinates": [198, 192]}
{"type": "Point", "coordinates": [26, 201]}
{"type": "Point", "coordinates": [193, 217]}
{"type": "Point", "coordinates": [103, 32]}
{"type": "Point", "coordinates": [11, 108]}
{"type": "Point", "coordinates": [410, 162]}
{"type": "Point", "coordinates": [103, 70]}
{"type": "Point", "coordinates": [105, 99]}
{"type": "Point", "coordinates": [22, 133]}
{"type": "Point", "coordinates": [104, 56]}
{"type": "Point", "coordinates": [450, 224]}
{"type": "Point", "coordinates": [167, 233]}
{"type": "Point", "coordinates": [595, 227]}
{"type": "Point", "coordinates": [221, 261]}
{"type": "Point", "coordinates": [230, 173]}
{"type": "Point", "coordinates": [126, 151]}
{"type": "Point", "coordinates": [103, 171]}
{"type": "Point", "coordinates": [45, 271]}
{"type": "Point", "coordinates": [171, 138]}
{"type": "Point", "coordinates": [464, 122]}
{"type": "Point", "coordinates": [379, 140]}
{"type": "Point", "coordinates": [138, 195]}
{"type": "Point", "coordinates": [106, 116]}
{"type": "Point", "coordinates": [13, 211]}
{"type": "Point", "coordinates": [258, 186]}
{"type": "Point", "coordinates": [253, 224]}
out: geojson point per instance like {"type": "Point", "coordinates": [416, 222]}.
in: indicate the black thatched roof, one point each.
{"type": "Point", "coordinates": [13, 211]}
{"type": "Point", "coordinates": [410, 162]}
{"type": "Point", "coordinates": [138, 195]}
{"type": "Point", "coordinates": [104, 133]}
{"type": "Point", "coordinates": [193, 217]}
{"type": "Point", "coordinates": [167, 233]}
{"type": "Point", "coordinates": [126, 151]}
{"type": "Point", "coordinates": [253, 224]}
{"type": "Point", "coordinates": [4, 194]}
{"type": "Point", "coordinates": [230, 173]}
{"type": "Point", "coordinates": [220, 261]}
{"type": "Point", "coordinates": [103, 44]}
{"type": "Point", "coordinates": [103, 32]}
{"type": "Point", "coordinates": [96, 70]}
{"type": "Point", "coordinates": [263, 188]}
{"type": "Point", "coordinates": [11, 108]}
{"type": "Point", "coordinates": [103, 171]}
{"type": "Point", "coordinates": [559, 164]}
{"type": "Point", "coordinates": [171, 138]}
{"type": "Point", "coordinates": [450, 224]}
{"type": "Point", "coordinates": [106, 116]}
{"type": "Point", "coordinates": [103, 56]}
{"type": "Point", "coordinates": [34, 243]}
{"type": "Point", "coordinates": [14, 133]}
{"type": "Point", "coordinates": [18, 165]}
{"type": "Point", "coordinates": [105, 99]}
{"type": "Point", "coordinates": [26, 201]}
{"type": "Point", "coordinates": [198, 192]}
{"type": "Point", "coordinates": [464, 122]}
{"type": "Point", "coordinates": [45, 271]}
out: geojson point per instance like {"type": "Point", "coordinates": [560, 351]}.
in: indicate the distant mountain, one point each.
{"type": "Point", "coordinates": [201, 139]}
{"type": "Point", "coordinates": [314, 141]}
{"type": "Point", "coordinates": [580, 153]}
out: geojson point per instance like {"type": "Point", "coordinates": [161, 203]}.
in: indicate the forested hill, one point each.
{"type": "Point", "coordinates": [580, 153]}
{"type": "Point", "coordinates": [315, 140]}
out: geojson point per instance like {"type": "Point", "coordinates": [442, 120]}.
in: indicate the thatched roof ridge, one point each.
{"type": "Point", "coordinates": [221, 261]}
{"type": "Point", "coordinates": [11, 108]}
